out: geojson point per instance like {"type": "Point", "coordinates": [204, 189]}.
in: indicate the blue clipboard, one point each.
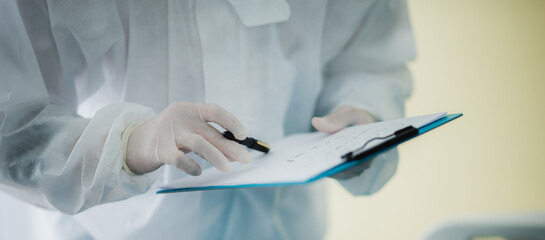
{"type": "Point", "coordinates": [341, 167]}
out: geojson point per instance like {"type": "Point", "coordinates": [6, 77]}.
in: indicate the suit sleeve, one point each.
{"type": "Point", "coordinates": [370, 72]}
{"type": "Point", "coordinates": [49, 156]}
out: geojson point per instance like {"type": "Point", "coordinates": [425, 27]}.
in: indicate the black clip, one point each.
{"type": "Point", "coordinates": [399, 136]}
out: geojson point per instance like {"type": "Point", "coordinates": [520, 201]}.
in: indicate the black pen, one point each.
{"type": "Point", "coordinates": [249, 142]}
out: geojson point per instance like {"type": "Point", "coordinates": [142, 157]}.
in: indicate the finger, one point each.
{"type": "Point", "coordinates": [232, 150]}
{"type": "Point", "coordinates": [322, 125]}
{"type": "Point", "coordinates": [353, 171]}
{"type": "Point", "coordinates": [176, 158]}
{"type": "Point", "coordinates": [341, 118]}
{"type": "Point", "coordinates": [188, 165]}
{"type": "Point", "coordinates": [215, 113]}
{"type": "Point", "coordinates": [332, 122]}
{"type": "Point", "coordinates": [199, 145]}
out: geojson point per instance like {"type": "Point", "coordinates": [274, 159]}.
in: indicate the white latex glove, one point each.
{"type": "Point", "coordinates": [342, 117]}
{"type": "Point", "coordinates": [182, 128]}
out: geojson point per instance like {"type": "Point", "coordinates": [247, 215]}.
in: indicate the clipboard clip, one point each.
{"type": "Point", "coordinates": [393, 139]}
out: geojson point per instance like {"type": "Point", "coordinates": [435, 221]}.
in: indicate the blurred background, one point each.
{"type": "Point", "coordinates": [485, 59]}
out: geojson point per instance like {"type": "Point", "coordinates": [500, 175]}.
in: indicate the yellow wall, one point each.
{"type": "Point", "coordinates": [484, 58]}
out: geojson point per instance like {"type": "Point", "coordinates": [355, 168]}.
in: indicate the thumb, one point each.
{"type": "Point", "coordinates": [341, 118]}
{"type": "Point", "coordinates": [327, 124]}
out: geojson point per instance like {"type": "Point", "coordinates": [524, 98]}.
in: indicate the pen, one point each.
{"type": "Point", "coordinates": [249, 142]}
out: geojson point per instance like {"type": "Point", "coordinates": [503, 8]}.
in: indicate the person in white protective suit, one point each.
{"type": "Point", "coordinates": [77, 75]}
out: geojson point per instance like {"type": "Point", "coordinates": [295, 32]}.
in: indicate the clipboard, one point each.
{"type": "Point", "coordinates": [351, 158]}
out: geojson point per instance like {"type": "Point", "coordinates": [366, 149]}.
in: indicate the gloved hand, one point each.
{"type": "Point", "coordinates": [182, 128]}
{"type": "Point", "coordinates": [340, 118]}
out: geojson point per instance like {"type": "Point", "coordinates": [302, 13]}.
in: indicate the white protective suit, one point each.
{"type": "Point", "coordinates": [74, 74]}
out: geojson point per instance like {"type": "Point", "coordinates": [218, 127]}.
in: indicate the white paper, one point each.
{"type": "Point", "coordinates": [300, 157]}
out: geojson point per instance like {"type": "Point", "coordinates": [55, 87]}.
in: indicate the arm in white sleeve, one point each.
{"type": "Point", "coordinates": [369, 72]}
{"type": "Point", "coordinates": [49, 156]}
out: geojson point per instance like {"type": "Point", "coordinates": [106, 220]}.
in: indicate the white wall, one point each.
{"type": "Point", "coordinates": [486, 59]}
